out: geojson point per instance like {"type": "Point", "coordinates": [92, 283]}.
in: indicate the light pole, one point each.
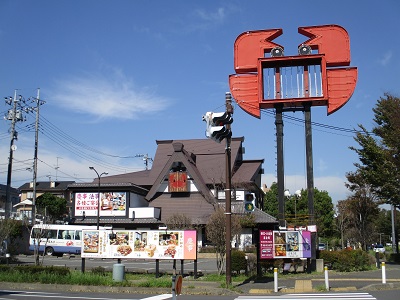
{"type": "Point", "coordinates": [297, 195]}
{"type": "Point", "coordinates": [98, 194]}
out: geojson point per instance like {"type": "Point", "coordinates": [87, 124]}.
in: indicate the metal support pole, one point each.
{"type": "Point", "coordinates": [157, 268]}
{"type": "Point", "coordinates": [229, 109]}
{"type": "Point", "coordinates": [182, 265]}
{"type": "Point", "coordinates": [83, 265]}
{"type": "Point", "coordinates": [280, 166]}
{"type": "Point", "coordinates": [195, 269]}
{"type": "Point", "coordinates": [310, 184]}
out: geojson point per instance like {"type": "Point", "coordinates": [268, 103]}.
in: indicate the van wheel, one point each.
{"type": "Point", "coordinates": [49, 251]}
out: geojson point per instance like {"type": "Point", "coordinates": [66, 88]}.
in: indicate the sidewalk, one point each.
{"type": "Point", "coordinates": [338, 281]}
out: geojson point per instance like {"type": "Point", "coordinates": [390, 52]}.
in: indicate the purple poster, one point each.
{"type": "Point", "coordinates": [306, 240]}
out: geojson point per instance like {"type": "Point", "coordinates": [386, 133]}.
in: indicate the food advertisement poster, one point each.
{"type": "Point", "coordinates": [111, 204]}
{"type": "Point", "coordinates": [176, 244]}
{"type": "Point", "coordinates": [285, 244]}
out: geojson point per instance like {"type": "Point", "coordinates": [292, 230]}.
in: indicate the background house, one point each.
{"type": "Point", "coordinates": [57, 188]}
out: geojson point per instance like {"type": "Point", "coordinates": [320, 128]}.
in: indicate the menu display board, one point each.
{"type": "Point", "coordinates": [176, 244]}
{"type": "Point", "coordinates": [285, 244]}
{"type": "Point", "coordinates": [111, 204]}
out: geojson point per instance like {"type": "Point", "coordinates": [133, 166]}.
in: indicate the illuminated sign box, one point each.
{"type": "Point", "coordinates": [285, 244]}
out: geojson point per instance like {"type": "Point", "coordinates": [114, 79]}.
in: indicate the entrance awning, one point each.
{"type": "Point", "coordinates": [24, 203]}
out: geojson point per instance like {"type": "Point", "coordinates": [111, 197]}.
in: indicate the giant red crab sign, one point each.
{"type": "Point", "coordinates": [323, 78]}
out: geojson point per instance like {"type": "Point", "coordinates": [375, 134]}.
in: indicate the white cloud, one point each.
{"type": "Point", "coordinates": [217, 16]}
{"type": "Point", "coordinates": [385, 59]}
{"type": "Point", "coordinates": [106, 96]}
{"type": "Point", "coordinates": [322, 166]}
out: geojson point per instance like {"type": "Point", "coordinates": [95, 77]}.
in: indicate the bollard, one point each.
{"type": "Point", "coordinates": [118, 274]}
{"type": "Point", "coordinates": [383, 272]}
{"type": "Point", "coordinates": [378, 264]}
{"type": "Point", "coordinates": [275, 280]}
{"type": "Point", "coordinates": [326, 278]}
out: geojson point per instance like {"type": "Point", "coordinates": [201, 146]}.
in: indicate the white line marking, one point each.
{"type": "Point", "coordinates": [159, 297]}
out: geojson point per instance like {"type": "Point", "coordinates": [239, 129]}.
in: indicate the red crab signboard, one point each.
{"type": "Point", "coordinates": [320, 74]}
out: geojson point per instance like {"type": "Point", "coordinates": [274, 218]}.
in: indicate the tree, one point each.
{"type": "Point", "coordinates": [379, 151]}
{"type": "Point", "coordinates": [362, 206]}
{"type": "Point", "coordinates": [179, 222]}
{"type": "Point", "coordinates": [379, 155]}
{"type": "Point", "coordinates": [51, 206]}
{"type": "Point", "coordinates": [216, 233]}
{"type": "Point", "coordinates": [271, 200]}
{"type": "Point", "coordinates": [324, 213]}
{"type": "Point", "coordinates": [296, 209]}
{"type": "Point", "coordinates": [383, 225]}
{"type": "Point", "coordinates": [10, 230]}
{"type": "Point", "coordinates": [343, 220]}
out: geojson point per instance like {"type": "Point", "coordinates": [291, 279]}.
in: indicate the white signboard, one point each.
{"type": "Point", "coordinates": [174, 244]}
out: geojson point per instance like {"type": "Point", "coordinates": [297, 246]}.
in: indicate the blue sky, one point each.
{"type": "Point", "coordinates": [119, 75]}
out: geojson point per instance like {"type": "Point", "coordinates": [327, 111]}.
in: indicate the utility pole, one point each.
{"type": "Point", "coordinates": [218, 127]}
{"type": "Point", "coordinates": [146, 159]}
{"type": "Point", "coordinates": [228, 192]}
{"type": "Point", "coordinates": [35, 155]}
{"type": "Point", "coordinates": [14, 115]}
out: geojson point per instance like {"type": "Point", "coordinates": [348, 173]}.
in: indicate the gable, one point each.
{"type": "Point", "coordinates": [181, 160]}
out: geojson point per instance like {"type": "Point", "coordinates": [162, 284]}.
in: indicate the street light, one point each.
{"type": "Point", "coordinates": [297, 195]}
{"type": "Point", "coordinates": [98, 194]}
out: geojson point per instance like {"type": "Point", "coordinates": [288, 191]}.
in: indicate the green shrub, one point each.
{"type": "Point", "coordinates": [238, 261]}
{"type": "Point", "coordinates": [267, 265]}
{"type": "Point", "coordinates": [5, 268]}
{"type": "Point", "coordinates": [394, 257]}
{"type": "Point", "coordinates": [252, 263]}
{"type": "Point", "coordinates": [347, 260]}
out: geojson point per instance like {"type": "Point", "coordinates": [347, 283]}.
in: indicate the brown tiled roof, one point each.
{"type": "Point", "coordinates": [209, 158]}
{"type": "Point", "coordinates": [46, 186]}
{"type": "Point", "coordinates": [248, 171]}
{"type": "Point", "coordinates": [194, 206]}
{"type": "Point", "coordinates": [139, 178]}
{"type": "Point", "coordinates": [103, 221]}
{"type": "Point", "coordinates": [112, 186]}
{"type": "Point", "coordinates": [260, 217]}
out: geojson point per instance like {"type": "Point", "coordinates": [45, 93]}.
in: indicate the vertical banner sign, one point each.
{"type": "Point", "coordinates": [266, 244]}
{"type": "Point", "coordinates": [285, 244]}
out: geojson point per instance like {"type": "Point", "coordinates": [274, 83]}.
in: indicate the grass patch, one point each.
{"type": "Point", "coordinates": [321, 288]}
